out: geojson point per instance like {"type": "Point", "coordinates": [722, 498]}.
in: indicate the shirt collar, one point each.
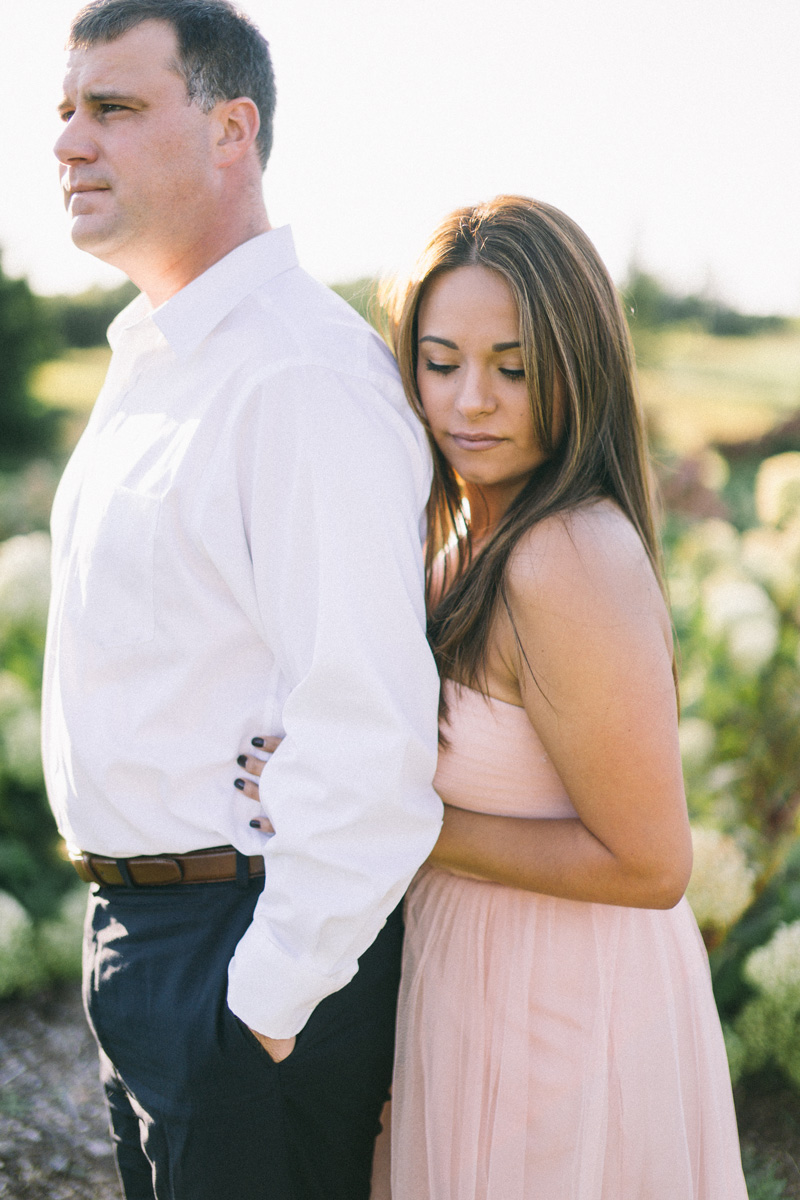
{"type": "Point", "coordinates": [188, 317]}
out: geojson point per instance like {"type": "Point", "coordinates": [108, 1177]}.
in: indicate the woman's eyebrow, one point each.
{"type": "Point", "coordinates": [498, 347]}
{"type": "Point", "coordinates": [443, 341]}
{"type": "Point", "coordinates": [439, 341]}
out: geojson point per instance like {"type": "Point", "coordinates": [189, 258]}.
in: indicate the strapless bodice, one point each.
{"type": "Point", "coordinates": [494, 761]}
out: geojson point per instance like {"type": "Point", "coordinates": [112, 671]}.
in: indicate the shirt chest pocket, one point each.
{"type": "Point", "coordinates": [117, 570]}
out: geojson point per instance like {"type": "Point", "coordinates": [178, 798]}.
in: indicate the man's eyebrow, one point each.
{"type": "Point", "coordinates": [439, 341]}
{"type": "Point", "coordinates": [105, 97]}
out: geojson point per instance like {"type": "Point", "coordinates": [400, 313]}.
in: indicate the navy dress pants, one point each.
{"type": "Point", "coordinates": [198, 1109]}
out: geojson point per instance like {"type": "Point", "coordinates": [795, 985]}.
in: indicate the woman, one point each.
{"type": "Point", "coordinates": [557, 1034]}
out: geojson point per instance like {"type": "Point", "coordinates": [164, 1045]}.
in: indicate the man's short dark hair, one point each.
{"type": "Point", "coordinates": [221, 54]}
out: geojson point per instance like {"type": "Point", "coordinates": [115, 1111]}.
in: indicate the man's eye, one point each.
{"type": "Point", "coordinates": [111, 108]}
{"type": "Point", "coordinates": [439, 368]}
{"type": "Point", "coordinates": [66, 113]}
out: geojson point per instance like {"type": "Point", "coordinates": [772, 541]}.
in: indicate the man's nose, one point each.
{"type": "Point", "coordinates": [75, 143]}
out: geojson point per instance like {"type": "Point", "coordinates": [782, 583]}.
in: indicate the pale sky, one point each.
{"type": "Point", "coordinates": [668, 130]}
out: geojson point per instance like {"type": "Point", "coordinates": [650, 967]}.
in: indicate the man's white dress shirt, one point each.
{"type": "Point", "coordinates": [236, 551]}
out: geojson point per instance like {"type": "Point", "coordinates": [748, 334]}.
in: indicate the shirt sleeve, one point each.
{"type": "Point", "coordinates": [338, 481]}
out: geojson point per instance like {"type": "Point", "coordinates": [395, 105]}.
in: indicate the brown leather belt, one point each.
{"type": "Point", "coordinates": [200, 866]}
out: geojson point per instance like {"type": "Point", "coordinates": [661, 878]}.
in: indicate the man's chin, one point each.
{"type": "Point", "coordinates": [93, 236]}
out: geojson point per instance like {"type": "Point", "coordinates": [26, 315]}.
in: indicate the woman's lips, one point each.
{"type": "Point", "coordinates": [476, 441]}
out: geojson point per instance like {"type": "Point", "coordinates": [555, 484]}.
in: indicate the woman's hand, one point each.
{"type": "Point", "coordinates": [254, 766]}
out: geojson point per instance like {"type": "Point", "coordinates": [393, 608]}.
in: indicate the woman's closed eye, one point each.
{"type": "Point", "coordinates": [515, 373]}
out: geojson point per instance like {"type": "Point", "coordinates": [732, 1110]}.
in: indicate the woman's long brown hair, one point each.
{"type": "Point", "coordinates": [576, 346]}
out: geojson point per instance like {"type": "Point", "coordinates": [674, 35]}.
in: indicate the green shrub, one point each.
{"type": "Point", "coordinates": [31, 866]}
{"type": "Point", "coordinates": [763, 1182]}
{"type": "Point", "coordinates": [26, 338]}
{"type": "Point", "coordinates": [736, 604]}
{"type": "Point", "coordinates": [20, 970]}
{"type": "Point", "coordinates": [33, 956]}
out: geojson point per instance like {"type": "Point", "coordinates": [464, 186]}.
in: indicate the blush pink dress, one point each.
{"type": "Point", "coordinates": [550, 1049]}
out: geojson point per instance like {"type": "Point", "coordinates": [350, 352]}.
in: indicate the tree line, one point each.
{"type": "Point", "coordinates": [35, 328]}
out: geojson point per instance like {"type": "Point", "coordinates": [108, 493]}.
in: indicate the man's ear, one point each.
{"type": "Point", "coordinates": [238, 123]}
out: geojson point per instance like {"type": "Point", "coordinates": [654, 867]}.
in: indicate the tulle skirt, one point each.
{"type": "Point", "coordinates": [557, 1050]}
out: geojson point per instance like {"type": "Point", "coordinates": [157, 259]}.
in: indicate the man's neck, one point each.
{"type": "Point", "coordinates": [161, 280]}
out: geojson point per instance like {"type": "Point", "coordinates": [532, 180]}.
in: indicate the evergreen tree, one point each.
{"type": "Point", "coordinates": [27, 428]}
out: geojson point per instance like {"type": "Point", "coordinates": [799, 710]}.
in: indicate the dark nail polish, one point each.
{"type": "Point", "coordinates": [242, 760]}
{"type": "Point", "coordinates": [255, 823]}
{"type": "Point", "coordinates": [238, 783]}
{"type": "Point", "coordinates": [257, 742]}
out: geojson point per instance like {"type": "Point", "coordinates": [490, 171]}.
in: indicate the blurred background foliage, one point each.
{"type": "Point", "coordinates": [721, 391]}
{"type": "Point", "coordinates": [27, 427]}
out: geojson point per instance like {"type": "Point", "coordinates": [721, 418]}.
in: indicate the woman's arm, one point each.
{"type": "Point", "coordinates": [598, 689]}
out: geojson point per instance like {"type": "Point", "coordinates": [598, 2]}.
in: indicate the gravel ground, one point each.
{"type": "Point", "coordinates": [54, 1142]}
{"type": "Point", "coordinates": [53, 1136]}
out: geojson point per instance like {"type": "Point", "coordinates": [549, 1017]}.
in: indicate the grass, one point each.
{"type": "Point", "coordinates": [72, 381]}
{"type": "Point", "coordinates": [698, 389]}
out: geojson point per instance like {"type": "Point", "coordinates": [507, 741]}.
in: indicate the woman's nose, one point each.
{"type": "Point", "coordinates": [475, 397]}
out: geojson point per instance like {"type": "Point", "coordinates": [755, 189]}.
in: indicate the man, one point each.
{"type": "Point", "coordinates": [236, 550]}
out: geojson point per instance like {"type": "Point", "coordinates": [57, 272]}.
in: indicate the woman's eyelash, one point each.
{"type": "Point", "coordinates": [446, 368]}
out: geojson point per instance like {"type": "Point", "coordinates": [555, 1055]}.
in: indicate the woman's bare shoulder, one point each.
{"type": "Point", "coordinates": [588, 559]}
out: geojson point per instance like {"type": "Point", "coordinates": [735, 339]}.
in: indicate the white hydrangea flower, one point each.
{"type": "Point", "coordinates": [778, 488]}
{"type": "Point", "coordinates": [775, 967]}
{"type": "Point", "coordinates": [709, 546]}
{"type": "Point", "coordinates": [752, 643]}
{"type": "Point", "coordinates": [722, 883]}
{"type": "Point", "coordinates": [22, 735]}
{"type": "Point", "coordinates": [24, 580]}
{"type": "Point", "coordinates": [740, 610]}
{"type": "Point", "coordinates": [772, 557]}
{"type": "Point", "coordinates": [15, 923]}
{"type": "Point", "coordinates": [696, 738]}
{"type": "Point", "coordinates": [729, 598]}
{"type": "Point", "coordinates": [725, 774]}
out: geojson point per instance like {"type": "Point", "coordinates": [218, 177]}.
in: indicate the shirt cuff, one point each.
{"type": "Point", "coordinates": [272, 992]}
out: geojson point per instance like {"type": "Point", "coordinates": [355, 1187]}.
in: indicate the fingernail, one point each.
{"type": "Point", "coordinates": [242, 760]}
{"type": "Point", "coordinates": [255, 823]}
{"type": "Point", "coordinates": [238, 783]}
{"type": "Point", "coordinates": [257, 742]}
